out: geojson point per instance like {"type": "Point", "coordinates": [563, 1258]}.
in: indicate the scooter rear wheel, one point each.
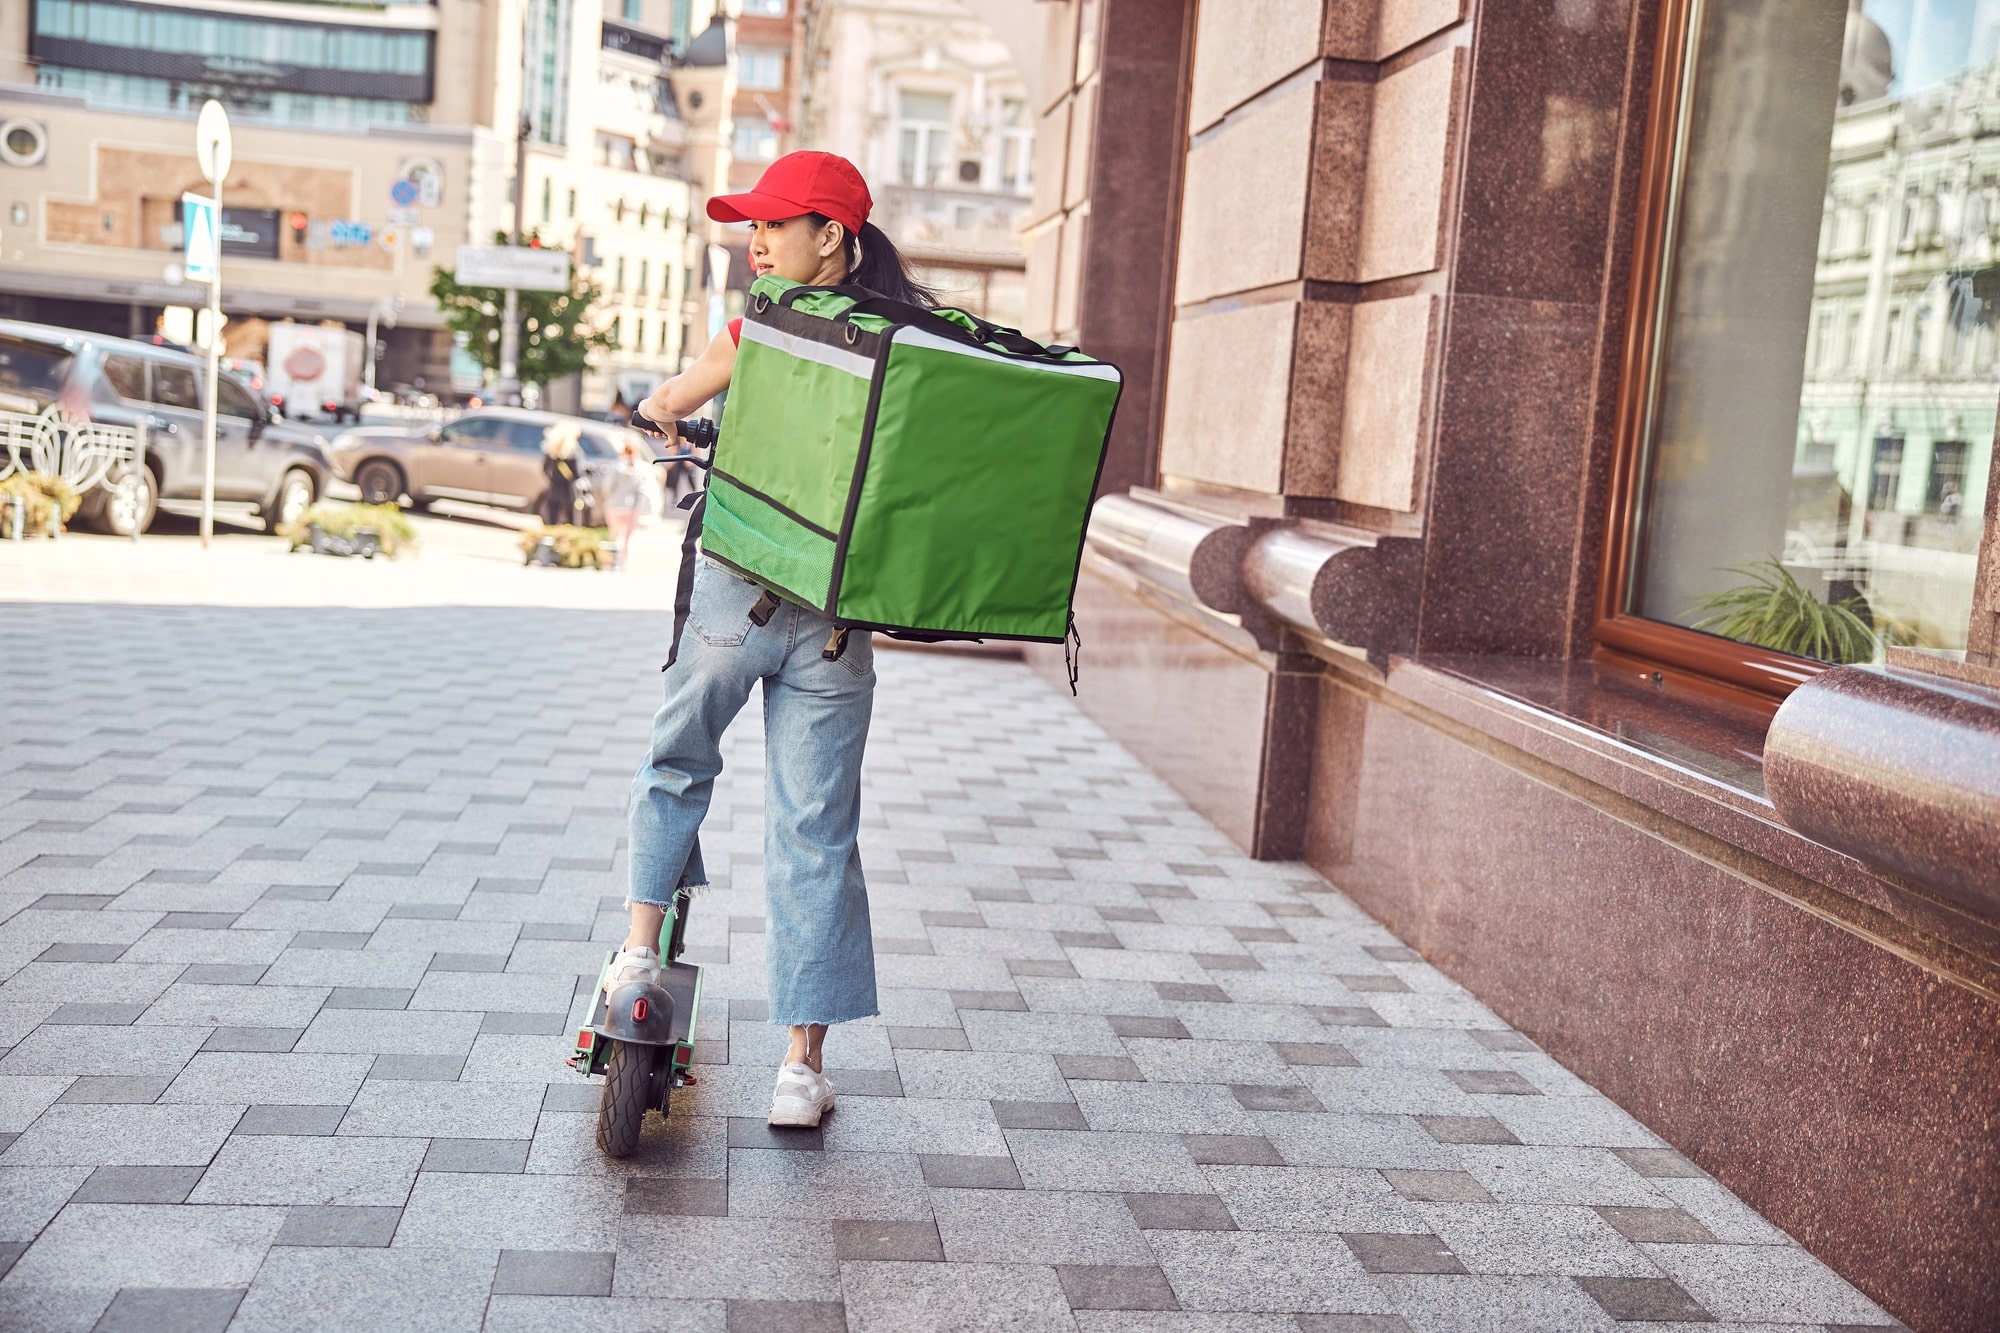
{"type": "Point", "coordinates": [630, 1089]}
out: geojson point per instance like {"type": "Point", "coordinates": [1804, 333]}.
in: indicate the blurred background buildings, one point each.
{"type": "Point", "coordinates": [373, 139]}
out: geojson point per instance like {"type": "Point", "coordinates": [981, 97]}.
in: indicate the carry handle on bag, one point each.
{"type": "Point", "coordinates": [866, 302]}
{"type": "Point", "coordinates": [908, 471]}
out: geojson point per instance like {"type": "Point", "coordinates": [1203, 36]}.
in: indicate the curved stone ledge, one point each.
{"type": "Point", "coordinates": [1194, 554]}
{"type": "Point", "coordinates": [1898, 770]}
{"type": "Point", "coordinates": [1352, 587]}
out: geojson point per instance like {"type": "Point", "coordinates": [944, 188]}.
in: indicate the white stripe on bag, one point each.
{"type": "Point", "coordinates": [808, 350]}
{"type": "Point", "coordinates": [1095, 370]}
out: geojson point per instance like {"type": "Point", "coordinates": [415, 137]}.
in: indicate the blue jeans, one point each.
{"type": "Point", "coordinates": [820, 958]}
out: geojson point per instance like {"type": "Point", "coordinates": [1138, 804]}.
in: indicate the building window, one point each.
{"type": "Point", "coordinates": [663, 337]}
{"type": "Point", "coordinates": [766, 9]}
{"type": "Point", "coordinates": [1944, 493]}
{"type": "Point", "coordinates": [618, 274]}
{"type": "Point", "coordinates": [1017, 148]}
{"type": "Point", "coordinates": [755, 141]}
{"type": "Point", "coordinates": [639, 334]}
{"type": "Point", "coordinates": [572, 203]}
{"type": "Point", "coordinates": [1751, 461]}
{"type": "Point", "coordinates": [923, 136]}
{"type": "Point", "coordinates": [641, 288]}
{"type": "Point", "coordinates": [548, 193]}
{"type": "Point", "coordinates": [617, 152]}
{"type": "Point", "coordinates": [635, 11]}
{"type": "Point", "coordinates": [1885, 478]}
{"type": "Point", "coordinates": [760, 68]}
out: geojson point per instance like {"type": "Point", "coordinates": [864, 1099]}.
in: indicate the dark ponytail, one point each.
{"type": "Point", "coordinates": [874, 262]}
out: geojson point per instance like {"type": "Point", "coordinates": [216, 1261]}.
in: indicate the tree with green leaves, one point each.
{"type": "Point", "coordinates": [557, 333]}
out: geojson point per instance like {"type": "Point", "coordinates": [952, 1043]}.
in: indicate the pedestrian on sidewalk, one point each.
{"type": "Point", "coordinates": [625, 496]}
{"type": "Point", "coordinates": [562, 465]}
{"type": "Point", "coordinates": [808, 219]}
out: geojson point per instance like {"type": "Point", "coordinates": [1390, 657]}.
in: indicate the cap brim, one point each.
{"type": "Point", "coordinates": [751, 206]}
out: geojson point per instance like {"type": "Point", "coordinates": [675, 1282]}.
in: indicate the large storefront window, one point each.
{"type": "Point", "coordinates": [1822, 368]}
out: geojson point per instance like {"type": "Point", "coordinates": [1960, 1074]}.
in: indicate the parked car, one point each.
{"type": "Point", "coordinates": [259, 458]}
{"type": "Point", "coordinates": [492, 455]}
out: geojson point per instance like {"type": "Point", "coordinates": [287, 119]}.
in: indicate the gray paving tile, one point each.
{"type": "Point", "coordinates": [114, 1090]}
{"type": "Point", "coordinates": [887, 1240]}
{"type": "Point", "coordinates": [514, 1212]}
{"type": "Point", "coordinates": [170, 1310]}
{"type": "Point", "coordinates": [942, 1171]}
{"type": "Point", "coordinates": [1232, 1150]}
{"type": "Point", "coordinates": [1398, 1253]}
{"type": "Point", "coordinates": [339, 1225]}
{"type": "Point", "coordinates": [1662, 1226]}
{"type": "Point", "coordinates": [1037, 1227]}
{"type": "Point", "coordinates": [312, 1170]}
{"type": "Point", "coordinates": [138, 1184]}
{"type": "Point", "coordinates": [291, 1120]}
{"type": "Point", "coordinates": [1117, 1162]}
{"type": "Point", "coordinates": [443, 1289]}
{"type": "Point", "coordinates": [108, 1245]}
{"type": "Point", "coordinates": [1179, 1212]}
{"type": "Point", "coordinates": [1644, 1299]}
{"type": "Point", "coordinates": [123, 1136]}
{"type": "Point", "coordinates": [478, 1155]}
{"type": "Point", "coordinates": [1437, 1186]}
{"type": "Point", "coordinates": [730, 1258]}
{"type": "Point", "coordinates": [1116, 1287]}
{"type": "Point", "coordinates": [1253, 1271]}
{"type": "Point", "coordinates": [786, 1317]}
{"type": "Point", "coordinates": [553, 1273]}
{"type": "Point", "coordinates": [953, 1298]}
{"type": "Point", "coordinates": [677, 1197]}
{"type": "Point", "coordinates": [1039, 1115]}
{"type": "Point", "coordinates": [236, 1039]}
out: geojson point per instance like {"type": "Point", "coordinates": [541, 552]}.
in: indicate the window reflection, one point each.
{"type": "Point", "coordinates": [1823, 424]}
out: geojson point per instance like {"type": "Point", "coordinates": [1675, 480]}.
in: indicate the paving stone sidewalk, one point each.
{"type": "Point", "coordinates": [297, 906]}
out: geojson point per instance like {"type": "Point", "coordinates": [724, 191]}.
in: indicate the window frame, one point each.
{"type": "Point", "coordinates": [1653, 649]}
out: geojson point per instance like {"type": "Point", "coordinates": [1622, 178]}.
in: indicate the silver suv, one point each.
{"type": "Point", "coordinates": [259, 458]}
{"type": "Point", "coordinates": [492, 455]}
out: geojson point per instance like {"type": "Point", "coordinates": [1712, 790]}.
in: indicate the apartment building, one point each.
{"type": "Point", "coordinates": [933, 100]}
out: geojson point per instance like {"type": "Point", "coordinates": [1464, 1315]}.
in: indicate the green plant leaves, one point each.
{"type": "Point", "coordinates": [1774, 610]}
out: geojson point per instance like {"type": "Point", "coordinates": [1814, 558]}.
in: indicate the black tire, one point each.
{"type": "Point", "coordinates": [631, 1087]}
{"type": "Point", "coordinates": [380, 482]}
{"type": "Point", "coordinates": [126, 505]}
{"type": "Point", "coordinates": [294, 496]}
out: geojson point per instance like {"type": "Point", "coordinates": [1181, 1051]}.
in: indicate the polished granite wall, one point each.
{"type": "Point", "coordinates": [1821, 1039]}
{"type": "Point", "coordinates": [1844, 1091]}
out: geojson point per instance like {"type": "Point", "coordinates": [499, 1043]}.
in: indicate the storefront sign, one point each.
{"type": "Point", "coordinates": [521, 267]}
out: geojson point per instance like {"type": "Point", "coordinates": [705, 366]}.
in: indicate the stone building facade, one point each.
{"type": "Point", "coordinates": [932, 101]}
{"type": "Point", "coordinates": [1468, 398]}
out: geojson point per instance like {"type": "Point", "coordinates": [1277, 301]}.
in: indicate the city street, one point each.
{"type": "Point", "coordinates": [307, 867]}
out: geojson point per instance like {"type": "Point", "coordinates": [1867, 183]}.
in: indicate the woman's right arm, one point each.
{"type": "Point", "coordinates": [683, 395]}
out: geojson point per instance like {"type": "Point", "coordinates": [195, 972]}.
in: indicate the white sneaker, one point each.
{"type": "Point", "coordinates": [632, 965]}
{"type": "Point", "coordinates": [801, 1097]}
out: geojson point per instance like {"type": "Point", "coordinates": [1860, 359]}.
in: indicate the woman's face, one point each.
{"type": "Point", "coordinates": [794, 249]}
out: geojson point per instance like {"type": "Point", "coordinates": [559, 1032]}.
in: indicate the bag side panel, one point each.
{"type": "Point", "coordinates": [766, 543]}
{"type": "Point", "coordinates": [791, 427]}
{"type": "Point", "coordinates": [972, 513]}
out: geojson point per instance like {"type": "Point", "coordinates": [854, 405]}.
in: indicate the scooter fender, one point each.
{"type": "Point", "coordinates": [638, 1012]}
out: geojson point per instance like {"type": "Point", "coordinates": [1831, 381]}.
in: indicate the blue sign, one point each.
{"type": "Point", "coordinates": [351, 233]}
{"type": "Point", "coordinates": [403, 193]}
{"type": "Point", "coordinates": [202, 238]}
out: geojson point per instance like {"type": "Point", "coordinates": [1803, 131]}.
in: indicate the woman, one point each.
{"type": "Point", "coordinates": [624, 496]}
{"type": "Point", "coordinates": [808, 217]}
{"type": "Point", "coordinates": [562, 464]}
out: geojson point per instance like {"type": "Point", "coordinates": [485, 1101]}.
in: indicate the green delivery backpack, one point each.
{"type": "Point", "coordinates": [920, 472]}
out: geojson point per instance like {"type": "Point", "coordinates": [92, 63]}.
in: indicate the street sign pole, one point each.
{"type": "Point", "coordinates": [212, 147]}
{"type": "Point", "coordinates": [510, 315]}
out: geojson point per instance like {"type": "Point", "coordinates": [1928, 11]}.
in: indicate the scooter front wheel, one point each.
{"type": "Point", "coordinates": [629, 1090]}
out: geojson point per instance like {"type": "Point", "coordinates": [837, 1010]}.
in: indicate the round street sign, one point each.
{"type": "Point", "coordinates": [211, 140]}
{"type": "Point", "coordinates": [403, 193]}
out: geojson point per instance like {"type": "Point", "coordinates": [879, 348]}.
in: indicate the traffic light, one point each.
{"type": "Point", "coordinates": [297, 222]}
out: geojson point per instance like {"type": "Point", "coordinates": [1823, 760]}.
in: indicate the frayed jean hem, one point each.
{"type": "Point", "coordinates": [663, 904]}
{"type": "Point", "coordinates": [823, 1022]}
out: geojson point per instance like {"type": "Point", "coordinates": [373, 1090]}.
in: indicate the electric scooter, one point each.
{"type": "Point", "coordinates": [641, 1038]}
{"type": "Point", "coordinates": [641, 1035]}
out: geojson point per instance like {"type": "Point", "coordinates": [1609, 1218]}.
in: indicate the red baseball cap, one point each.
{"type": "Point", "coordinates": [797, 184]}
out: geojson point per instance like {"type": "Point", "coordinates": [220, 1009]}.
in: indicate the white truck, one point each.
{"type": "Point", "coordinates": [314, 371]}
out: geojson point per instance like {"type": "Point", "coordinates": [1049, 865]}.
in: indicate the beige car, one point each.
{"type": "Point", "coordinates": [489, 456]}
